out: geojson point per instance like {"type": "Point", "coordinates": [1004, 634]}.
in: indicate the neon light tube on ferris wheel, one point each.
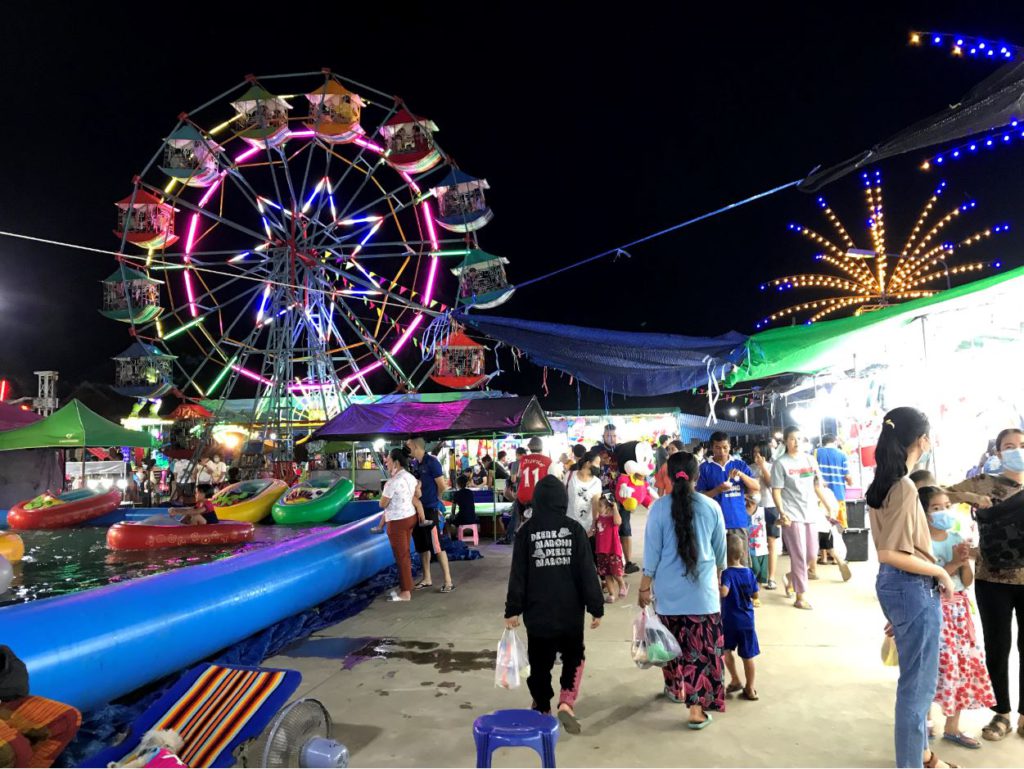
{"type": "Point", "coordinates": [252, 375]}
{"type": "Point", "coordinates": [405, 336]}
{"type": "Point", "coordinates": [408, 178]}
{"type": "Point", "coordinates": [319, 186]}
{"type": "Point", "coordinates": [369, 235]}
{"type": "Point", "coordinates": [369, 145]}
{"type": "Point", "coordinates": [361, 220]}
{"type": "Point", "coordinates": [301, 134]}
{"type": "Point", "coordinates": [431, 232]}
{"type": "Point", "coordinates": [247, 154]}
{"type": "Point", "coordinates": [362, 372]}
{"type": "Point", "coordinates": [213, 188]}
{"type": "Point", "coordinates": [263, 303]}
{"type": "Point", "coordinates": [429, 293]}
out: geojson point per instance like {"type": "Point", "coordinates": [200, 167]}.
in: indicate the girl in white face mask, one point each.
{"type": "Point", "coordinates": [964, 682]}
{"type": "Point", "coordinates": [999, 589]}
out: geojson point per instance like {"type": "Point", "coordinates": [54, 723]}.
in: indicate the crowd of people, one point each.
{"type": "Point", "coordinates": [704, 564]}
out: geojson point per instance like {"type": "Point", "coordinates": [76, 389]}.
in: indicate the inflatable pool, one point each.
{"type": "Point", "coordinates": [91, 647]}
{"type": "Point", "coordinates": [249, 500]}
{"type": "Point", "coordinates": [315, 501]}
{"type": "Point", "coordinates": [58, 512]}
{"type": "Point", "coordinates": [11, 547]}
{"type": "Point", "coordinates": [141, 536]}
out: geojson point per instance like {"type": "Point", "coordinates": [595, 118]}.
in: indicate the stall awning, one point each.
{"type": "Point", "coordinates": [808, 349]}
{"type": "Point", "coordinates": [454, 419]}
{"type": "Point", "coordinates": [624, 362]}
{"type": "Point", "coordinates": [74, 426]}
{"type": "Point", "coordinates": [12, 417]}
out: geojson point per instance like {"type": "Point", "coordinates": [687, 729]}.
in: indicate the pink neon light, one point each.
{"type": "Point", "coordinates": [252, 375]}
{"type": "Point", "coordinates": [370, 146]}
{"type": "Point", "coordinates": [303, 387]}
{"type": "Point", "coordinates": [213, 188]}
{"type": "Point", "coordinates": [429, 216]}
{"type": "Point", "coordinates": [405, 337]}
{"type": "Point", "coordinates": [190, 240]}
{"type": "Point", "coordinates": [367, 370]}
{"type": "Point", "coordinates": [247, 154]}
{"type": "Point", "coordinates": [191, 294]}
{"type": "Point", "coordinates": [302, 134]}
{"type": "Point", "coordinates": [429, 293]}
{"type": "Point", "coordinates": [410, 182]}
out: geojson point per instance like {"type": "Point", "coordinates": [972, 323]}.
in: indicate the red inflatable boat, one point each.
{"type": "Point", "coordinates": [59, 512]}
{"type": "Point", "coordinates": [140, 536]}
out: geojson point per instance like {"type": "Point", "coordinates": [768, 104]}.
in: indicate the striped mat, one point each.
{"type": "Point", "coordinates": [218, 705]}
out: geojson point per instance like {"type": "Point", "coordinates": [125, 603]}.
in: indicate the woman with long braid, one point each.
{"type": "Point", "coordinates": [684, 553]}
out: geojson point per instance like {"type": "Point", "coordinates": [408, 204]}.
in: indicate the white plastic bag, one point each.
{"type": "Point", "coordinates": [653, 643]}
{"type": "Point", "coordinates": [513, 663]}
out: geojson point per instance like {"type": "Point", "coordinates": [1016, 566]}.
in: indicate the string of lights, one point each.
{"type": "Point", "coordinates": [968, 45]}
{"type": "Point", "coordinates": [860, 289]}
{"type": "Point", "coordinates": [1001, 137]}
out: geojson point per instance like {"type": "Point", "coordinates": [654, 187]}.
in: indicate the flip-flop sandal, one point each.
{"type": "Point", "coordinates": [933, 762]}
{"type": "Point", "coordinates": [803, 605]}
{"type": "Point", "coordinates": [394, 598]}
{"type": "Point", "coordinates": [962, 740]}
{"type": "Point", "coordinates": [844, 569]}
{"type": "Point", "coordinates": [447, 588]}
{"type": "Point", "coordinates": [698, 725]}
{"type": "Point", "coordinates": [733, 688]}
{"type": "Point", "coordinates": [624, 591]}
{"type": "Point", "coordinates": [672, 697]}
{"type": "Point", "coordinates": [750, 694]}
{"type": "Point", "coordinates": [569, 722]}
{"type": "Point", "coordinates": [996, 729]}
{"type": "Point", "coordinates": [423, 585]}
{"type": "Point", "coordinates": [770, 585]}
{"type": "Point", "coordinates": [788, 586]}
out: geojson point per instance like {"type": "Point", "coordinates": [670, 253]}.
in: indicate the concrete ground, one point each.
{"type": "Point", "coordinates": [404, 681]}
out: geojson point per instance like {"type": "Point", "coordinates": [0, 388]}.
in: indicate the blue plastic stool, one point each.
{"type": "Point", "coordinates": [515, 728]}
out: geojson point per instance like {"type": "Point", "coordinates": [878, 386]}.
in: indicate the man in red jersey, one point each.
{"type": "Point", "coordinates": [532, 468]}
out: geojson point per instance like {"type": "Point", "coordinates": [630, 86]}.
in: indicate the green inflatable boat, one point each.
{"type": "Point", "coordinates": [314, 501]}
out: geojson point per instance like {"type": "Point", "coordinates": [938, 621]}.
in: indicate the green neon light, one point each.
{"type": "Point", "coordinates": [220, 377]}
{"type": "Point", "coordinates": [184, 328]}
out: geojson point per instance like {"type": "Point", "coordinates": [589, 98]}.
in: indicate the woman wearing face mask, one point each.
{"type": "Point", "coordinates": [1000, 591]}
{"type": "Point", "coordinates": [398, 512]}
{"type": "Point", "coordinates": [964, 683]}
{"type": "Point", "coordinates": [907, 579]}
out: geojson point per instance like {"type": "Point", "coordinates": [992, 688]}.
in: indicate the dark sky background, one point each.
{"type": "Point", "coordinates": [629, 122]}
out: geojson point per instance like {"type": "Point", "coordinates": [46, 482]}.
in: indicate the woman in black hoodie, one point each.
{"type": "Point", "coordinates": [552, 583]}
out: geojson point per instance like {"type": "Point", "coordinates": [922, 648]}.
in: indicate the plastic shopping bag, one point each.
{"type": "Point", "coordinates": [513, 663]}
{"type": "Point", "coordinates": [653, 643]}
{"type": "Point", "coordinates": [890, 658]}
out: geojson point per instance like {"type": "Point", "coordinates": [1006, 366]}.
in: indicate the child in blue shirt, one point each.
{"type": "Point", "coordinates": [739, 591]}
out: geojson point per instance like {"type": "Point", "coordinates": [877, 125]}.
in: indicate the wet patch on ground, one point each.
{"type": "Point", "coordinates": [444, 660]}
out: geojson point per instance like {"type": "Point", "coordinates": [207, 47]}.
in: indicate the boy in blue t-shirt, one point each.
{"type": "Point", "coordinates": [739, 591]}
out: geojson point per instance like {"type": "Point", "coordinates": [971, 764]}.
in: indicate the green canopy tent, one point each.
{"type": "Point", "coordinates": [74, 426]}
{"type": "Point", "coordinates": [808, 349]}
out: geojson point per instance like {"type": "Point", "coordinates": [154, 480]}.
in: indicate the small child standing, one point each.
{"type": "Point", "coordinates": [739, 590]}
{"type": "Point", "coordinates": [964, 683]}
{"type": "Point", "coordinates": [608, 548]}
{"type": "Point", "coordinates": [758, 536]}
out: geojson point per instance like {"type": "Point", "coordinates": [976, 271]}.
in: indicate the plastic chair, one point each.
{"type": "Point", "coordinates": [473, 529]}
{"type": "Point", "coordinates": [515, 728]}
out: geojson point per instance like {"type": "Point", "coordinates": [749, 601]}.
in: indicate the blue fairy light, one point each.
{"type": "Point", "coordinates": [997, 265]}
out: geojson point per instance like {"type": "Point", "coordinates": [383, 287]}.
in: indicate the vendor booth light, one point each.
{"type": "Point", "coordinates": [378, 445]}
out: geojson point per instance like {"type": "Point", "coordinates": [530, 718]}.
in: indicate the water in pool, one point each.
{"type": "Point", "coordinates": [69, 560]}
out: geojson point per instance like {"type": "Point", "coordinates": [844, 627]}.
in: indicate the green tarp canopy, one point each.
{"type": "Point", "coordinates": [73, 426]}
{"type": "Point", "coordinates": [809, 349]}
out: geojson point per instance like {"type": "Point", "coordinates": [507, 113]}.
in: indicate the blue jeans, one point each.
{"type": "Point", "coordinates": [911, 603]}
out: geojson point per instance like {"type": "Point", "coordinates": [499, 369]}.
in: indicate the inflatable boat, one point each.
{"type": "Point", "coordinates": [49, 511]}
{"type": "Point", "coordinates": [317, 500]}
{"type": "Point", "coordinates": [249, 500]}
{"type": "Point", "coordinates": [142, 536]}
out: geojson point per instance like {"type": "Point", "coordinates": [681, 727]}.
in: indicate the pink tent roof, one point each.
{"type": "Point", "coordinates": [12, 417]}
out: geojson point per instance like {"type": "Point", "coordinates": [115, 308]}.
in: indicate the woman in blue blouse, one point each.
{"type": "Point", "coordinates": [684, 552]}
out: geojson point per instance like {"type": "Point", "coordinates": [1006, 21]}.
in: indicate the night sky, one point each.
{"type": "Point", "coordinates": [592, 129]}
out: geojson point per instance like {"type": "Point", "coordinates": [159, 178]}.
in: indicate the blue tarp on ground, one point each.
{"type": "Point", "coordinates": [623, 362]}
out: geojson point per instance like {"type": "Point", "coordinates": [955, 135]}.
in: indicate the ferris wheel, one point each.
{"type": "Point", "coordinates": [289, 242]}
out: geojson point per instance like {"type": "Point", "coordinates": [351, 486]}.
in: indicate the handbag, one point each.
{"type": "Point", "coordinates": [13, 676]}
{"type": "Point", "coordinates": [1001, 533]}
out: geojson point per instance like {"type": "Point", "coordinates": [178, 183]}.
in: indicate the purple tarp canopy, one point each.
{"type": "Point", "coordinates": [457, 419]}
{"type": "Point", "coordinates": [12, 417]}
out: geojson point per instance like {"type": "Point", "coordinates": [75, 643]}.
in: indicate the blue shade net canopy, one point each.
{"type": "Point", "coordinates": [621, 362]}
